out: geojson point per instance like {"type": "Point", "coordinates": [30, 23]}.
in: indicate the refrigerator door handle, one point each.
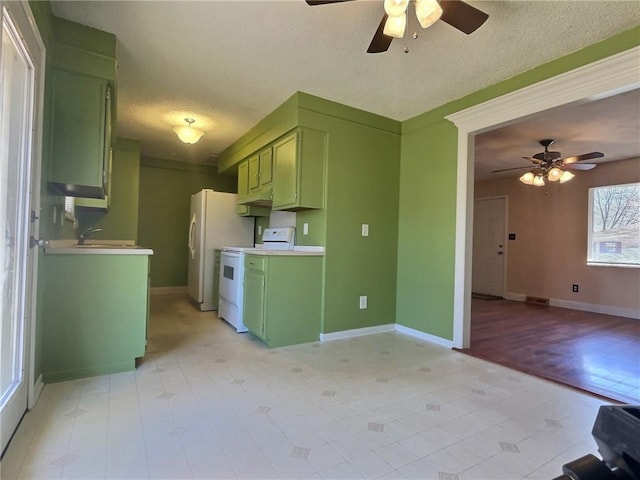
{"type": "Point", "coordinates": [192, 228]}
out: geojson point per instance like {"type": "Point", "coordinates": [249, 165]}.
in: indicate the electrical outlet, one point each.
{"type": "Point", "coordinates": [365, 229]}
{"type": "Point", "coordinates": [363, 302]}
{"type": "Point", "coordinates": [55, 214]}
{"type": "Point", "coordinates": [575, 288]}
{"type": "Point", "coordinates": [259, 229]}
{"type": "Point", "coordinates": [305, 229]}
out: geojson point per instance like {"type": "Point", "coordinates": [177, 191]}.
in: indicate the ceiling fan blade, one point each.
{"type": "Point", "coordinates": [579, 166]}
{"type": "Point", "coordinates": [534, 160]}
{"type": "Point", "coordinates": [462, 16]}
{"type": "Point", "coordinates": [584, 156]}
{"type": "Point", "coordinates": [508, 169]}
{"type": "Point", "coordinates": [324, 2]}
{"type": "Point", "coordinates": [380, 42]}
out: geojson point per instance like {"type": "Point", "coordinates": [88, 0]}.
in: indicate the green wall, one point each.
{"type": "Point", "coordinates": [427, 229]}
{"type": "Point", "coordinates": [428, 186]}
{"type": "Point", "coordinates": [166, 187]}
{"type": "Point", "coordinates": [121, 221]}
{"type": "Point", "coordinates": [362, 181]}
{"type": "Point", "coordinates": [362, 187]}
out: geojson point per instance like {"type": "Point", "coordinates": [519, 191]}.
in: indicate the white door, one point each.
{"type": "Point", "coordinates": [21, 67]}
{"type": "Point", "coordinates": [488, 247]}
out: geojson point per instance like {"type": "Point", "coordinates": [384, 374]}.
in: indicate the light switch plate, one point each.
{"type": "Point", "coordinates": [363, 302]}
{"type": "Point", "coordinates": [365, 229]}
{"type": "Point", "coordinates": [305, 229]}
{"type": "Point", "coordinates": [259, 229]}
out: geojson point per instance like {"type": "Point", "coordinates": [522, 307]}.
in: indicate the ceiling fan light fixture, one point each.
{"type": "Point", "coordinates": [555, 174]}
{"type": "Point", "coordinates": [188, 133]}
{"type": "Point", "coordinates": [538, 181]}
{"type": "Point", "coordinates": [527, 178]}
{"type": "Point", "coordinates": [566, 176]}
{"type": "Point", "coordinates": [428, 12]}
{"type": "Point", "coordinates": [395, 8]}
{"type": "Point", "coordinates": [395, 25]}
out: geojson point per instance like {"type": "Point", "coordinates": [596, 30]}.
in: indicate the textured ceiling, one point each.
{"type": "Point", "coordinates": [610, 126]}
{"type": "Point", "coordinates": [229, 63]}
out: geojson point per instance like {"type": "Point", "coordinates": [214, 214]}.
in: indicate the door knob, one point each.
{"type": "Point", "coordinates": [499, 253]}
{"type": "Point", "coordinates": [38, 242]}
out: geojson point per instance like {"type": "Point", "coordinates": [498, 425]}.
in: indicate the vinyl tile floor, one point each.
{"type": "Point", "coordinates": [209, 403]}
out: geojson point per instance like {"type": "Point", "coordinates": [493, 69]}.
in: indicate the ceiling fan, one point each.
{"type": "Point", "coordinates": [551, 166]}
{"type": "Point", "coordinates": [456, 13]}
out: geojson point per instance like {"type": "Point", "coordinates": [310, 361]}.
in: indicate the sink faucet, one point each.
{"type": "Point", "coordinates": [86, 234]}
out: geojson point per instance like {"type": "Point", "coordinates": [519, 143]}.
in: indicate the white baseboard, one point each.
{"type": "Point", "coordinates": [35, 394]}
{"type": "Point", "coordinates": [582, 306]}
{"type": "Point", "coordinates": [595, 308]}
{"type": "Point", "coordinates": [424, 336]}
{"type": "Point", "coordinates": [390, 327]}
{"type": "Point", "coordinates": [168, 290]}
{"type": "Point", "coordinates": [516, 297]}
{"type": "Point", "coordinates": [357, 332]}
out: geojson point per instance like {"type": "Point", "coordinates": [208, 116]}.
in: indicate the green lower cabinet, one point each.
{"type": "Point", "coordinates": [94, 314]}
{"type": "Point", "coordinates": [283, 298]}
{"type": "Point", "coordinates": [254, 305]}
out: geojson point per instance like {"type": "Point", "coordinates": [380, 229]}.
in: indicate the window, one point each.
{"type": "Point", "coordinates": [614, 225]}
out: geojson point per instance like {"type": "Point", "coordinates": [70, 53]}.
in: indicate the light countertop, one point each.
{"type": "Point", "coordinates": [303, 251]}
{"type": "Point", "coordinates": [96, 247]}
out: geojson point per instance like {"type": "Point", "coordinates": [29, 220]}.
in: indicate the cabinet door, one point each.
{"type": "Point", "coordinates": [243, 181]}
{"type": "Point", "coordinates": [285, 188]}
{"type": "Point", "coordinates": [254, 172]}
{"type": "Point", "coordinates": [100, 203]}
{"type": "Point", "coordinates": [78, 130]}
{"type": "Point", "coordinates": [266, 166]}
{"type": "Point", "coordinates": [254, 299]}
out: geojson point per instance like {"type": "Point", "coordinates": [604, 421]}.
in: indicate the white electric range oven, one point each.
{"type": "Point", "coordinates": [230, 304]}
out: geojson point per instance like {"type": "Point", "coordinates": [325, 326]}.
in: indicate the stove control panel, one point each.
{"type": "Point", "coordinates": [281, 238]}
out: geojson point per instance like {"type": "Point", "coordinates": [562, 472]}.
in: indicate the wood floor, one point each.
{"type": "Point", "coordinates": [589, 351]}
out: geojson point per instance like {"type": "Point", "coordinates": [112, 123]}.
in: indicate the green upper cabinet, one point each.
{"type": "Point", "coordinates": [243, 209]}
{"type": "Point", "coordinates": [299, 165]}
{"type": "Point", "coordinates": [260, 171]}
{"type": "Point", "coordinates": [81, 108]}
{"type": "Point", "coordinates": [243, 181]}
{"type": "Point", "coordinates": [100, 203]}
{"type": "Point", "coordinates": [258, 177]}
{"type": "Point", "coordinates": [80, 134]}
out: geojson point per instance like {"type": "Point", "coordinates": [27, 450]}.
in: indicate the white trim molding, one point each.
{"type": "Point", "coordinates": [595, 308]}
{"type": "Point", "coordinates": [606, 77]}
{"type": "Point", "coordinates": [582, 306]}
{"type": "Point", "coordinates": [424, 336]}
{"type": "Point", "coordinates": [37, 390]}
{"type": "Point", "coordinates": [390, 327]}
{"type": "Point", "coordinates": [168, 290]}
{"type": "Point", "coordinates": [357, 332]}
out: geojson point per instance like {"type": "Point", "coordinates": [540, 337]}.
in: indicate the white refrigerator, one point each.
{"type": "Point", "coordinates": [214, 223]}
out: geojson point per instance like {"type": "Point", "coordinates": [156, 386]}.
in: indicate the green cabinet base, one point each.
{"type": "Point", "coordinates": [283, 298]}
{"type": "Point", "coordinates": [94, 314]}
